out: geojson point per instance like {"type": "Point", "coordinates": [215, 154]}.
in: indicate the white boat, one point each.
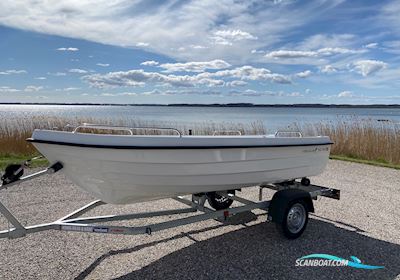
{"type": "Point", "coordinates": [122, 169]}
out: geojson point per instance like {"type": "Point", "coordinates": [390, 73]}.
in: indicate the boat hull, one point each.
{"type": "Point", "coordinates": [123, 176]}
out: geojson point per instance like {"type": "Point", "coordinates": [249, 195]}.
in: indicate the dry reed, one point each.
{"type": "Point", "coordinates": [14, 132]}
{"type": "Point", "coordinates": [361, 139]}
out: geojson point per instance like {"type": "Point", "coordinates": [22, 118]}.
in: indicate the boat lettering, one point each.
{"type": "Point", "coordinates": [100, 229]}
{"type": "Point", "coordinates": [76, 228]}
{"type": "Point", "coordinates": [117, 230]}
{"type": "Point", "coordinates": [316, 149]}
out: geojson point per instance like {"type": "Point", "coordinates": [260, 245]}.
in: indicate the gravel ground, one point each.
{"type": "Point", "coordinates": [364, 223]}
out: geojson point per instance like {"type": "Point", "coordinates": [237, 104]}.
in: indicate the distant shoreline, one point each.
{"type": "Point", "coordinates": [242, 105]}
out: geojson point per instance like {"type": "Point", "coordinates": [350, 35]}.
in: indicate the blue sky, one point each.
{"type": "Point", "coordinates": [224, 51]}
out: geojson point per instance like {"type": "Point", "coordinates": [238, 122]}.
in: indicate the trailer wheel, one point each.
{"type": "Point", "coordinates": [305, 181]}
{"type": "Point", "coordinates": [295, 219]}
{"type": "Point", "coordinates": [219, 202]}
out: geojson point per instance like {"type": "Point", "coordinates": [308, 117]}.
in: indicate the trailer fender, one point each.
{"type": "Point", "coordinates": [282, 199]}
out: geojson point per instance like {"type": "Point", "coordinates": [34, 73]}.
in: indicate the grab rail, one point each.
{"type": "Point", "coordinates": [123, 128]}
{"type": "Point", "coordinates": [288, 131]}
{"type": "Point", "coordinates": [221, 131]}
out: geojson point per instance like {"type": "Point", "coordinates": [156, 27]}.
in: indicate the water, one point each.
{"type": "Point", "coordinates": [273, 118]}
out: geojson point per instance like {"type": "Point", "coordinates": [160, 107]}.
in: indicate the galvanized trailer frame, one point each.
{"type": "Point", "coordinates": [74, 222]}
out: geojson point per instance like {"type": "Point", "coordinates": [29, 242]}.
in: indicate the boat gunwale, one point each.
{"type": "Point", "coordinates": [128, 147]}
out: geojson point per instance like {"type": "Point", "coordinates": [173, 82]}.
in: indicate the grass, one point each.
{"type": "Point", "coordinates": [363, 141]}
{"type": "Point", "coordinates": [364, 161]}
{"type": "Point", "coordinates": [18, 159]}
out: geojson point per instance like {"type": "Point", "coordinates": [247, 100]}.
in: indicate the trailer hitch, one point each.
{"type": "Point", "coordinates": [12, 173]}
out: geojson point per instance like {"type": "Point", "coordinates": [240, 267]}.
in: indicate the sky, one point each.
{"type": "Point", "coordinates": [226, 51]}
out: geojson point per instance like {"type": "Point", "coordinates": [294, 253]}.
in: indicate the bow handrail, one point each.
{"type": "Point", "coordinates": [226, 131]}
{"type": "Point", "coordinates": [123, 128]}
{"type": "Point", "coordinates": [297, 132]}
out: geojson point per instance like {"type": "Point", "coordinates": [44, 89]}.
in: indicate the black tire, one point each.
{"type": "Point", "coordinates": [305, 181]}
{"type": "Point", "coordinates": [292, 227]}
{"type": "Point", "coordinates": [219, 202]}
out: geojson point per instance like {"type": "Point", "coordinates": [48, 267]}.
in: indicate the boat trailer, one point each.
{"type": "Point", "coordinates": [288, 208]}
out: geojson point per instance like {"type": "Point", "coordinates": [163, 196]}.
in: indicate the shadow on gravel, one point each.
{"type": "Point", "coordinates": [259, 252]}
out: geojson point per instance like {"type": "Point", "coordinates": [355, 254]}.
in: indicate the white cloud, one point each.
{"type": "Point", "coordinates": [195, 66]}
{"type": "Point", "coordinates": [57, 74]}
{"type": "Point", "coordinates": [283, 54]}
{"type": "Point", "coordinates": [33, 88]}
{"type": "Point", "coordinates": [323, 41]}
{"type": "Point", "coordinates": [103, 64]}
{"type": "Point", "coordinates": [345, 94]}
{"type": "Point", "coordinates": [13, 71]}
{"type": "Point", "coordinates": [392, 47]}
{"type": "Point", "coordinates": [40, 78]}
{"type": "Point", "coordinates": [389, 16]}
{"type": "Point", "coordinates": [328, 69]}
{"type": "Point", "coordinates": [367, 67]}
{"type": "Point", "coordinates": [294, 94]}
{"type": "Point", "coordinates": [142, 44]}
{"type": "Point", "coordinates": [130, 94]}
{"type": "Point", "coordinates": [257, 52]}
{"type": "Point", "coordinates": [149, 63]}
{"type": "Point", "coordinates": [371, 46]}
{"type": "Point", "coordinates": [198, 47]}
{"type": "Point", "coordinates": [8, 89]}
{"type": "Point", "coordinates": [333, 51]}
{"type": "Point", "coordinates": [156, 92]}
{"type": "Point", "coordinates": [236, 83]}
{"type": "Point", "coordinates": [291, 54]}
{"type": "Point", "coordinates": [71, 88]}
{"type": "Point", "coordinates": [166, 26]}
{"type": "Point", "coordinates": [208, 92]}
{"type": "Point", "coordinates": [68, 49]}
{"type": "Point", "coordinates": [304, 74]}
{"type": "Point", "coordinates": [227, 37]}
{"type": "Point", "coordinates": [248, 72]}
{"type": "Point", "coordinates": [134, 78]}
{"type": "Point", "coordinates": [68, 89]}
{"type": "Point", "coordinates": [381, 80]}
{"type": "Point", "coordinates": [78, 71]}
{"type": "Point", "coordinates": [140, 77]}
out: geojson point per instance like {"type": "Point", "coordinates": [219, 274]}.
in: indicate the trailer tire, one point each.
{"type": "Point", "coordinates": [305, 181]}
{"type": "Point", "coordinates": [219, 202]}
{"type": "Point", "coordinates": [295, 219]}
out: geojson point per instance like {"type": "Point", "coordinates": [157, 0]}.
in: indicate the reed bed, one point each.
{"type": "Point", "coordinates": [358, 139]}
{"type": "Point", "coordinates": [361, 139]}
{"type": "Point", "coordinates": [14, 132]}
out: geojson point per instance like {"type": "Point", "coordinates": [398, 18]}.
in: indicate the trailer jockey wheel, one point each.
{"type": "Point", "coordinates": [12, 173]}
{"type": "Point", "coordinates": [219, 202]}
{"type": "Point", "coordinates": [305, 181]}
{"type": "Point", "coordinates": [295, 219]}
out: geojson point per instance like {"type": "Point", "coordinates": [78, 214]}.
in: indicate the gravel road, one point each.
{"type": "Point", "coordinates": [365, 223]}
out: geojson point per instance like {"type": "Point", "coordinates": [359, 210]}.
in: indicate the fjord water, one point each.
{"type": "Point", "coordinates": [273, 117]}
